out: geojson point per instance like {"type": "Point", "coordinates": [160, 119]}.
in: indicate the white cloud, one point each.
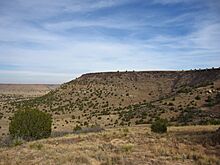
{"type": "Point", "coordinates": [104, 23]}
{"type": "Point", "coordinates": [26, 9]}
{"type": "Point", "coordinates": [41, 48]}
{"type": "Point", "coordinates": [207, 37]}
{"type": "Point", "coordinates": [173, 1]}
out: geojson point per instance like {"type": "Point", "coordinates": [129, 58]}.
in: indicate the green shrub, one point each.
{"type": "Point", "coordinates": [30, 124]}
{"type": "Point", "coordinates": [77, 128]}
{"type": "Point", "coordinates": [1, 115]}
{"type": "Point", "coordinates": [159, 126]}
{"type": "Point", "coordinates": [170, 104]}
{"type": "Point", "coordinates": [213, 122]}
{"type": "Point", "coordinates": [209, 99]}
{"type": "Point", "coordinates": [198, 97]}
{"type": "Point", "coordinates": [185, 89]}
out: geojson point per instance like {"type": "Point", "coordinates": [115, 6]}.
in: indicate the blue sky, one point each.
{"type": "Point", "coordinates": [54, 41]}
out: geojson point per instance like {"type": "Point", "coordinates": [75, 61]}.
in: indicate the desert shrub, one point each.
{"type": "Point", "coordinates": [213, 101]}
{"type": "Point", "coordinates": [141, 121]}
{"type": "Point", "coordinates": [30, 124]}
{"type": "Point", "coordinates": [198, 97]}
{"type": "Point", "coordinates": [86, 123]}
{"type": "Point", "coordinates": [209, 99]}
{"type": "Point", "coordinates": [77, 128]}
{"type": "Point", "coordinates": [170, 104]}
{"type": "Point", "coordinates": [184, 89]}
{"type": "Point", "coordinates": [213, 122]}
{"type": "Point", "coordinates": [125, 130]}
{"type": "Point", "coordinates": [188, 115]}
{"type": "Point", "coordinates": [1, 115]}
{"type": "Point", "coordinates": [159, 126]}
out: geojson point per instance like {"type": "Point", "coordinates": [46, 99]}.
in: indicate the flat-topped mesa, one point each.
{"type": "Point", "coordinates": [153, 72]}
{"type": "Point", "coordinates": [114, 97]}
{"type": "Point", "coordinates": [125, 77]}
{"type": "Point", "coordinates": [190, 77]}
{"type": "Point", "coordinates": [129, 74]}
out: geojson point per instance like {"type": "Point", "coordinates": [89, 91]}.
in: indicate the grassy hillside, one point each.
{"type": "Point", "coordinates": [130, 98]}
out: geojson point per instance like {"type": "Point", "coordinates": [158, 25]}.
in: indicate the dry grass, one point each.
{"type": "Point", "coordinates": [130, 146]}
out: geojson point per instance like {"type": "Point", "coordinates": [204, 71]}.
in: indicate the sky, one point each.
{"type": "Point", "coordinates": [55, 41]}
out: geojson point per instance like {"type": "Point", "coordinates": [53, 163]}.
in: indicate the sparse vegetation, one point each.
{"type": "Point", "coordinates": [112, 147]}
{"type": "Point", "coordinates": [77, 128]}
{"type": "Point", "coordinates": [93, 128]}
{"type": "Point", "coordinates": [117, 103]}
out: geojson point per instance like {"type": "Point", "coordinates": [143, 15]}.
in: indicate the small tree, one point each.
{"type": "Point", "coordinates": [30, 124]}
{"type": "Point", "coordinates": [159, 126]}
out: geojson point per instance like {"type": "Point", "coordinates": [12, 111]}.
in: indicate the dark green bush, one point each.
{"type": "Point", "coordinates": [209, 99]}
{"type": "Point", "coordinates": [159, 126]}
{"type": "Point", "coordinates": [185, 89]}
{"type": "Point", "coordinates": [170, 104]}
{"type": "Point", "coordinates": [198, 97]}
{"type": "Point", "coordinates": [213, 122]}
{"type": "Point", "coordinates": [30, 124]}
{"type": "Point", "coordinates": [77, 128]}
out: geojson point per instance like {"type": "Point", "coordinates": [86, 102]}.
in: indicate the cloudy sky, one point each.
{"type": "Point", "coordinates": [54, 41]}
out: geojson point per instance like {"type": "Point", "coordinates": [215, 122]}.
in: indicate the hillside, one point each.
{"type": "Point", "coordinates": [130, 98]}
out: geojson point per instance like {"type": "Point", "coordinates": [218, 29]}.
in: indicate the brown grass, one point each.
{"type": "Point", "coordinates": [134, 145]}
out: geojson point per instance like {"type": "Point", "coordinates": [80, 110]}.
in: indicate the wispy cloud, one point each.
{"type": "Point", "coordinates": [54, 41]}
{"type": "Point", "coordinates": [173, 1]}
